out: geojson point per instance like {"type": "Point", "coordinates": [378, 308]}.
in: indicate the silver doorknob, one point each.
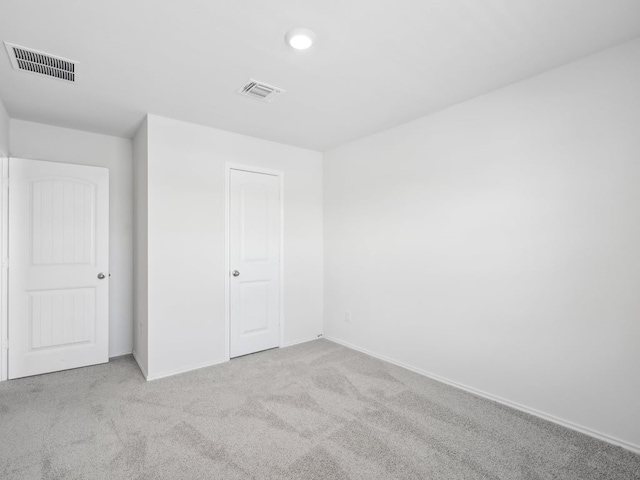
{"type": "Point", "coordinates": [101, 275]}
{"type": "Point", "coordinates": [235, 273]}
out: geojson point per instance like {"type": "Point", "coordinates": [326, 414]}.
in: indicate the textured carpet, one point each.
{"type": "Point", "coordinates": [313, 411]}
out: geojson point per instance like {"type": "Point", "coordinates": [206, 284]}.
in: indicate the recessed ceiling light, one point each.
{"type": "Point", "coordinates": [300, 38]}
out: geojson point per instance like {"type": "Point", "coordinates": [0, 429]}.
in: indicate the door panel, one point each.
{"type": "Point", "coordinates": [63, 213]}
{"type": "Point", "coordinates": [58, 244]}
{"type": "Point", "coordinates": [254, 302]}
{"type": "Point", "coordinates": [61, 317]}
{"type": "Point", "coordinates": [254, 220]}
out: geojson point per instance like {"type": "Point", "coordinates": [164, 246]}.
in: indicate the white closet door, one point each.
{"type": "Point", "coordinates": [58, 266]}
{"type": "Point", "coordinates": [254, 220]}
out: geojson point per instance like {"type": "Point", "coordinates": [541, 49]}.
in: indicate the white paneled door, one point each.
{"type": "Point", "coordinates": [254, 260]}
{"type": "Point", "coordinates": [58, 266]}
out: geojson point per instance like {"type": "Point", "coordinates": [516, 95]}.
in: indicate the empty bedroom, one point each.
{"type": "Point", "coordinates": [320, 240]}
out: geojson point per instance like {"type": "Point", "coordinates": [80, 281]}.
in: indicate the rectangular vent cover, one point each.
{"type": "Point", "coordinates": [260, 90]}
{"type": "Point", "coordinates": [41, 63]}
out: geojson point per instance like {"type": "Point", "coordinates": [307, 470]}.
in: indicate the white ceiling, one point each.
{"type": "Point", "coordinates": [376, 63]}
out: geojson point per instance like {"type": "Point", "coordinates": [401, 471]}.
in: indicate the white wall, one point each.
{"type": "Point", "coordinates": [4, 131]}
{"type": "Point", "coordinates": [186, 240]}
{"type": "Point", "coordinates": [4, 152]}
{"type": "Point", "coordinates": [140, 252]}
{"type": "Point", "coordinates": [44, 142]}
{"type": "Point", "coordinates": [496, 243]}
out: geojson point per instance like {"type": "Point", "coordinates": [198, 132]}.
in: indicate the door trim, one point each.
{"type": "Point", "coordinates": [228, 166]}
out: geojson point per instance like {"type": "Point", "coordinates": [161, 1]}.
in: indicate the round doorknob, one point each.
{"type": "Point", "coordinates": [235, 273]}
{"type": "Point", "coordinates": [101, 275]}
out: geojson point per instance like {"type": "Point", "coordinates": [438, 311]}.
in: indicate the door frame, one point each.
{"type": "Point", "coordinates": [228, 166]}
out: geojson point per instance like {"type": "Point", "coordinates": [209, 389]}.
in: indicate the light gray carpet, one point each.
{"type": "Point", "coordinates": [313, 411]}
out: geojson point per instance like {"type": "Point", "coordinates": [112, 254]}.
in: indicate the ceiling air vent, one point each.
{"type": "Point", "coordinates": [41, 63]}
{"type": "Point", "coordinates": [260, 91]}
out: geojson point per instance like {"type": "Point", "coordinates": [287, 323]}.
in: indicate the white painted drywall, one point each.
{"type": "Point", "coordinates": [4, 131]}
{"type": "Point", "coordinates": [496, 243]}
{"type": "Point", "coordinates": [186, 240]}
{"type": "Point", "coordinates": [4, 152]}
{"type": "Point", "coordinates": [140, 252]}
{"type": "Point", "coordinates": [44, 142]}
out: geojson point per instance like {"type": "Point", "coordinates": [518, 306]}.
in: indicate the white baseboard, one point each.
{"type": "Point", "coordinates": [301, 340]}
{"type": "Point", "coordinates": [184, 370]}
{"type": "Point", "coordinates": [120, 354]}
{"type": "Point", "coordinates": [532, 411]}
{"type": "Point", "coordinates": [144, 372]}
{"type": "Point", "coordinates": [211, 364]}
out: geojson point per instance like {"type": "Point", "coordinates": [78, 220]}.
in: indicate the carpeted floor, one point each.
{"type": "Point", "coordinates": [313, 411]}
